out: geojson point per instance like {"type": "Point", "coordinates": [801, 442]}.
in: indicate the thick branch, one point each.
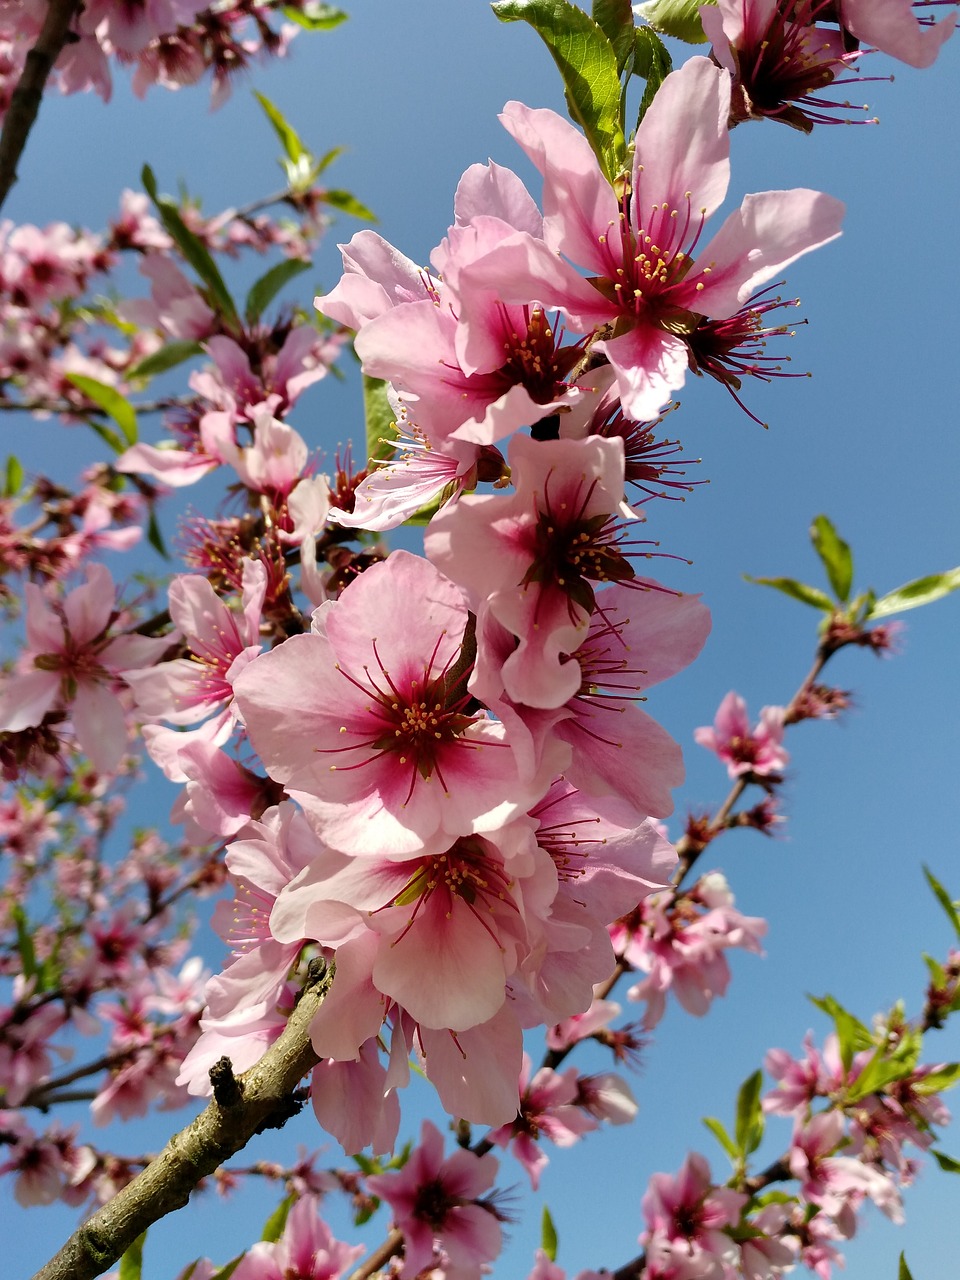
{"type": "Point", "coordinates": [264, 1100]}
{"type": "Point", "coordinates": [25, 102]}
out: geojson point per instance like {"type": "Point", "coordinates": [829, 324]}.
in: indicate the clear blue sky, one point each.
{"type": "Point", "coordinates": [413, 88]}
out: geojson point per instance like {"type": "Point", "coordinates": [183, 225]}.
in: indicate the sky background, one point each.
{"type": "Point", "coordinates": [413, 88]}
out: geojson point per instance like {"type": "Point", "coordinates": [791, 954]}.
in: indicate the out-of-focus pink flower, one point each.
{"type": "Point", "coordinates": [895, 27]}
{"type": "Point", "coordinates": [306, 1250]}
{"type": "Point", "coordinates": [744, 750]}
{"type": "Point", "coordinates": [438, 1204]}
{"type": "Point", "coordinates": [686, 1216]}
{"type": "Point", "coordinates": [72, 663]}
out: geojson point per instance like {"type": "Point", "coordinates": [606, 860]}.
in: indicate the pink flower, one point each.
{"type": "Point", "coordinates": [638, 249]}
{"type": "Point", "coordinates": [745, 750]}
{"type": "Point", "coordinates": [437, 1203]}
{"type": "Point", "coordinates": [894, 28]}
{"type": "Point", "coordinates": [547, 1108]}
{"type": "Point", "coordinates": [306, 1250]}
{"type": "Point", "coordinates": [778, 58]}
{"type": "Point", "coordinates": [71, 662]}
{"type": "Point", "coordinates": [686, 1215]}
{"type": "Point", "coordinates": [367, 717]}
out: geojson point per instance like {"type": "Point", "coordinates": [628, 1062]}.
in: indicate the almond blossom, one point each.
{"type": "Point", "coordinates": [639, 248]}
{"type": "Point", "coordinates": [440, 1206]}
{"type": "Point", "coordinates": [366, 718]}
{"type": "Point", "coordinates": [72, 663]}
{"type": "Point", "coordinates": [744, 750]}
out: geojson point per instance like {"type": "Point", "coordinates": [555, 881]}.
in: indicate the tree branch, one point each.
{"type": "Point", "coordinates": [25, 102]}
{"type": "Point", "coordinates": [264, 1099]}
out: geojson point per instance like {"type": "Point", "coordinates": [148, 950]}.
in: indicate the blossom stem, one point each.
{"type": "Point", "coordinates": [215, 1135]}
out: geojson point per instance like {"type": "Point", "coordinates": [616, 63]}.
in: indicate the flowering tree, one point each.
{"type": "Point", "coordinates": [419, 784]}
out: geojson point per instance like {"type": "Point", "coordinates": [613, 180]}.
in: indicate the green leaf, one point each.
{"type": "Point", "coordinates": [588, 65]}
{"type": "Point", "coordinates": [548, 1235]}
{"type": "Point", "coordinates": [852, 1035]}
{"type": "Point", "coordinates": [677, 18]}
{"type": "Point", "coordinates": [946, 1163]}
{"type": "Point", "coordinates": [938, 975]}
{"type": "Point", "coordinates": [904, 1272]}
{"type": "Point", "coordinates": [941, 895]}
{"type": "Point", "coordinates": [289, 138]}
{"type": "Point", "coordinates": [797, 591]}
{"type": "Point", "coordinates": [346, 202]}
{"type": "Point", "coordinates": [131, 1264]}
{"type": "Point", "coordinates": [155, 537]}
{"type": "Point", "coordinates": [749, 1125]}
{"type": "Point", "coordinates": [938, 1081]}
{"type": "Point", "coordinates": [110, 401]}
{"type": "Point", "coordinates": [13, 482]}
{"type": "Point", "coordinates": [28, 956]}
{"type": "Point", "coordinates": [721, 1135]}
{"type": "Point", "coordinates": [835, 554]}
{"type": "Point", "coordinates": [913, 594]}
{"type": "Point", "coordinates": [381, 425]}
{"type": "Point", "coordinates": [884, 1067]}
{"type": "Point", "coordinates": [652, 61]}
{"type": "Point", "coordinates": [263, 292]}
{"type": "Point", "coordinates": [273, 1227]}
{"type": "Point", "coordinates": [315, 17]}
{"type": "Point", "coordinates": [193, 249]}
{"type": "Point", "coordinates": [167, 357]}
{"type": "Point", "coordinates": [615, 20]}
{"type": "Point", "coordinates": [226, 1272]}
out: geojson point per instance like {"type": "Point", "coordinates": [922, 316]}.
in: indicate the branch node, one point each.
{"type": "Point", "coordinates": [227, 1089]}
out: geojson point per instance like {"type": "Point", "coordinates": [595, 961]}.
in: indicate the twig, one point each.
{"type": "Point", "coordinates": [25, 101]}
{"type": "Point", "coordinates": [219, 1132]}
{"type": "Point", "coordinates": [389, 1249]}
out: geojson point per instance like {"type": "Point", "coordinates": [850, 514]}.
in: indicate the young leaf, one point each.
{"type": "Point", "coordinates": [548, 1235]}
{"type": "Point", "coordinates": [155, 537]}
{"type": "Point", "coordinates": [588, 66]}
{"type": "Point", "coordinates": [939, 1081]}
{"type": "Point", "coordinates": [835, 554]}
{"type": "Point", "coordinates": [167, 357]}
{"type": "Point", "coordinates": [677, 18]}
{"type": "Point", "coordinates": [721, 1135]}
{"type": "Point", "coordinates": [346, 202]}
{"type": "Point", "coordinates": [131, 1264]}
{"type": "Point", "coordinates": [941, 895]}
{"type": "Point", "coordinates": [110, 401]}
{"type": "Point", "coordinates": [615, 20]}
{"type": "Point", "coordinates": [749, 1126]}
{"type": "Point", "coordinates": [797, 591]}
{"type": "Point", "coordinates": [913, 594]}
{"type": "Point", "coordinates": [13, 482]}
{"type": "Point", "coordinates": [226, 1272]}
{"type": "Point", "coordinates": [652, 61]}
{"type": "Point", "coordinates": [289, 138]}
{"type": "Point", "coordinates": [946, 1163]}
{"type": "Point", "coordinates": [273, 1227]}
{"type": "Point", "coordinates": [264, 290]}
{"type": "Point", "coordinates": [852, 1035]}
{"type": "Point", "coordinates": [315, 16]}
{"type": "Point", "coordinates": [193, 250]}
{"type": "Point", "coordinates": [28, 956]}
{"type": "Point", "coordinates": [904, 1272]}
{"type": "Point", "coordinates": [381, 425]}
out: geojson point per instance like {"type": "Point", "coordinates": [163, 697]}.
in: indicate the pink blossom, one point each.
{"type": "Point", "coordinates": [895, 28]}
{"type": "Point", "coordinates": [306, 1249]}
{"type": "Point", "coordinates": [366, 717]}
{"type": "Point", "coordinates": [639, 251]}
{"type": "Point", "coordinates": [686, 1216]}
{"type": "Point", "coordinates": [72, 662]}
{"type": "Point", "coordinates": [438, 1204]}
{"type": "Point", "coordinates": [745, 750]}
{"type": "Point", "coordinates": [548, 1108]}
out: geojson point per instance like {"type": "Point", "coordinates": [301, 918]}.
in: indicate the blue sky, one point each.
{"type": "Point", "coordinates": [413, 88]}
